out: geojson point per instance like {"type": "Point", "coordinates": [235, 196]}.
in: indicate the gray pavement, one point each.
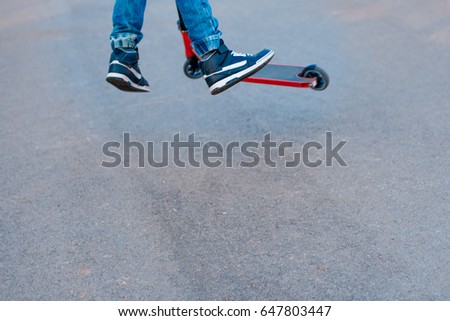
{"type": "Point", "coordinates": [378, 229]}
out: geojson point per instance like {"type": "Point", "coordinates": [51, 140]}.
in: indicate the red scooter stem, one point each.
{"type": "Point", "coordinates": [187, 45]}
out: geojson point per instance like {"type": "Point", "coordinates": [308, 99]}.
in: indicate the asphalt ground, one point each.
{"type": "Point", "coordinates": [377, 229]}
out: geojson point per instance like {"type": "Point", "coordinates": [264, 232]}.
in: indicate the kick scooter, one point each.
{"type": "Point", "coordinates": [310, 76]}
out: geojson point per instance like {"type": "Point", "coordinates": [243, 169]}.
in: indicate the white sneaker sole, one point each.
{"type": "Point", "coordinates": [124, 83]}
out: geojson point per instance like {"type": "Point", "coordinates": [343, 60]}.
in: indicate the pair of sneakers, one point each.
{"type": "Point", "coordinates": [222, 68]}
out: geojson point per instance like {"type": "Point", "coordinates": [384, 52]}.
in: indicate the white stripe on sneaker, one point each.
{"type": "Point", "coordinates": [233, 66]}
{"type": "Point", "coordinates": [117, 62]}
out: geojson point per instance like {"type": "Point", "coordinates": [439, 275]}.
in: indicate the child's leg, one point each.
{"type": "Point", "coordinates": [124, 72]}
{"type": "Point", "coordinates": [222, 68]}
{"type": "Point", "coordinates": [128, 18]}
{"type": "Point", "coordinates": [202, 25]}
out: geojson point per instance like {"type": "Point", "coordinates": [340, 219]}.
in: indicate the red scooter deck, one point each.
{"type": "Point", "coordinates": [282, 75]}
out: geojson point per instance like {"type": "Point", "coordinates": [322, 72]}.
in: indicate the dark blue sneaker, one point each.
{"type": "Point", "coordinates": [224, 68]}
{"type": "Point", "coordinates": [124, 71]}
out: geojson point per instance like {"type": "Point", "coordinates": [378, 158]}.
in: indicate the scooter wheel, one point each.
{"type": "Point", "coordinates": [313, 71]}
{"type": "Point", "coordinates": [191, 71]}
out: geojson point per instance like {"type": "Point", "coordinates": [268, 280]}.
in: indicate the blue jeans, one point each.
{"type": "Point", "coordinates": [128, 18]}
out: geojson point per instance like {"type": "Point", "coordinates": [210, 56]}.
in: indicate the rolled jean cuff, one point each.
{"type": "Point", "coordinates": [203, 46]}
{"type": "Point", "coordinates": [124, 40]}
